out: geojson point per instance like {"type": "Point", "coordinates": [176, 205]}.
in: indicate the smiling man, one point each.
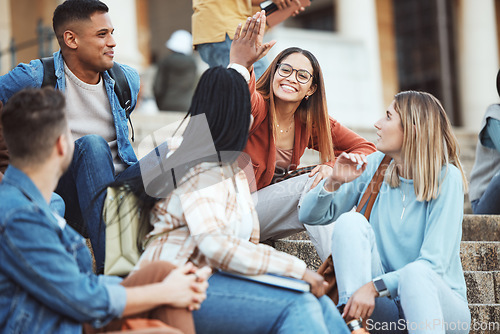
{"type": "Point", "coordinates": [96, 119]}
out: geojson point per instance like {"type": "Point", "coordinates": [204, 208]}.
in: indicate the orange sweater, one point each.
{"type": "Point", "coordinates": [262, 149]}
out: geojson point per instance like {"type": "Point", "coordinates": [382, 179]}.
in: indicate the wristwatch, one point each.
{"type": "Point", "coordinates": [381, 288]}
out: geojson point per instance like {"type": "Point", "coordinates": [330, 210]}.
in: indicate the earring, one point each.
{"type": "Point", "coordinates": [307, 97]}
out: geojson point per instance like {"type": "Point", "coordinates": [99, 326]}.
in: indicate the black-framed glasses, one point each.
{"type": "Point", "coordinates": [302, 76]}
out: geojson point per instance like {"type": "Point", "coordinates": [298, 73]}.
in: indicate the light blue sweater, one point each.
{"type": "Point", "coordinates": [429, 231]}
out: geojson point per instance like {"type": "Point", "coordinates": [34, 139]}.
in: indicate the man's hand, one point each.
{"type": "Point", "coordinates": [247, 46]}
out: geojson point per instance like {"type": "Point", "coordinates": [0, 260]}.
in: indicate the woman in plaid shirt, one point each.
{"type": "Point", "coordinates": [202, 211]}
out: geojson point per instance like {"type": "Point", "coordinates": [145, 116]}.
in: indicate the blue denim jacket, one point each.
{"type": "Point", "coordinates": [46, 279]}
{"type": "Point", "coordinates": [31, 76]}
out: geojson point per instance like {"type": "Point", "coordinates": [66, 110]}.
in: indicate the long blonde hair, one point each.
{"type": "Point", "coordinates": [312, 112]}
{"type": "Point", "coordinates": [428, 144]}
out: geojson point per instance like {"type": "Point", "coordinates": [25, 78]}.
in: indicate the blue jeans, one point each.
{"type": "Point", "coordinates": [425, 303]}
{"type": "Point", "coordinates": [489, 203]}
{"type": "Point", "coordinates": [238, 306]}
{"type": "Point", "coordinates": [217, 54]}
{"type": "Point", "coordinates": [83, 189]}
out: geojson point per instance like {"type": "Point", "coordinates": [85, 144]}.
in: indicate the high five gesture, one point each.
{"type": "Point", "coordinates": [248, 46]}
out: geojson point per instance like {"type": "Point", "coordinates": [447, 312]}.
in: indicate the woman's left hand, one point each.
{"type": "Point", "coordinates": [323, 172]}
{"type": "Point", "coordinates": [361, 304]}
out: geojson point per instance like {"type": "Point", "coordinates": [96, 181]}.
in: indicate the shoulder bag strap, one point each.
{"type": "Point", "coordinates": [373, 188]}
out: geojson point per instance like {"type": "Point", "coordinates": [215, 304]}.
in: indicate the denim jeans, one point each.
{"type": "Point", "coordinates": [217, 54]}
{"type": "Point", "coordinates": [426, 304]}
{"type": "Point", "coordinates": [235, 305]}
{"type": "Point", "coordinates": [489, 203]}
{"type": "Point", "coordinates": [83, 189]}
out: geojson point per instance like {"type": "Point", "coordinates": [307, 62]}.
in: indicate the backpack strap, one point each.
{"type": "Point", "coordinates": [373, 188]}
{"type": "Point", "coordinates": [49, 72]}
{"type": "Point", "coordinates": [122, 91]}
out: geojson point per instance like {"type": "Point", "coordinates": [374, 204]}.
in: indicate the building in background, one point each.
{"type": "Point", "coordinates": [368, 49]}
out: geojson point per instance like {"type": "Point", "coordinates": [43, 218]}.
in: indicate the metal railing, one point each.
{"type": "Point", "coordinates": [44, 39]}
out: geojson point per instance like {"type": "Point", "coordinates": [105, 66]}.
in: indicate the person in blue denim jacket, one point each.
{"type": "Point", "coordinates": [97, 121]}
{"type": "Point", "coordinates": [46, 279]}
{"type": "Point", "coordinates": [485, 175]}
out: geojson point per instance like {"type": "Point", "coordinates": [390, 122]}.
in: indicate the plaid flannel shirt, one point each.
{"type": "Point", "coordinates": [204, 220]}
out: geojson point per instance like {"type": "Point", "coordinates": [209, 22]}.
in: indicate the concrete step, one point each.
{"type": "Point", "coordinates": [481, 228]}
{"type": "Point", "coordinates": [480, 255]}
{"type": "Point", "coordinates": [303, 249]}
{"type": "Point", "coordinates": [485, 318]}
{"type": "Point", "coordinates": [483, 287]}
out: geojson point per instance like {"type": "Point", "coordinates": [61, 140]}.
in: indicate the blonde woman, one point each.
{"type": "Point", "coordinates": [409, 249]}
{"type": "Point", "coordinates": [290, 115]}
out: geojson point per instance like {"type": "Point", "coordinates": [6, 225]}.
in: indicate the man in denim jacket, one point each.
{"type": "Point", "coordinates": [46, 279]}
{"type": "Point", "coordinates": [97, 121]}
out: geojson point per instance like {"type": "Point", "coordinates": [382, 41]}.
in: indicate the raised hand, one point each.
{"type": "Point", "coordinates": [347, 168]}
{"type": "Point", "coordinates": [247, 46]}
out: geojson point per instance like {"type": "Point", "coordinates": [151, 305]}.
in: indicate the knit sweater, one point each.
{"type": "Point", "coordinates": [428, 231]}
{"type": "Point", "coordinates": [88, 107]}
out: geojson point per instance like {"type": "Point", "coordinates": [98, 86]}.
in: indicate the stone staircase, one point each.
{"type": "Point", "coordinates": [480, 254]}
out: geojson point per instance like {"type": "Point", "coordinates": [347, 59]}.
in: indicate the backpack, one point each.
{"type": "Point", "coordinates": [122, 89]}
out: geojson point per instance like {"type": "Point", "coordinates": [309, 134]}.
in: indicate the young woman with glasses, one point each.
{"type": "Point", "coordinates": [290, 115]}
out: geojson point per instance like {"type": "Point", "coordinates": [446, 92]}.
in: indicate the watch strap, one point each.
{"type": "Point", "coordinates": [381, 288]}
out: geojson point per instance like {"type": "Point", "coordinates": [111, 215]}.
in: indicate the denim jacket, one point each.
{"type": "Point", "coordinates": [46, 279]}
{"type": "Point", "coordinates": [31, 76]}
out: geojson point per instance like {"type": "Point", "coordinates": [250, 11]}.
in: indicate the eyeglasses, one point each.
{"type": "Point", "coordinates": [302, 76]}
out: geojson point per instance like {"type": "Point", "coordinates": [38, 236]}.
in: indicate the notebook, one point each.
{"type": "Point", "coordinates": [274, 280]}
